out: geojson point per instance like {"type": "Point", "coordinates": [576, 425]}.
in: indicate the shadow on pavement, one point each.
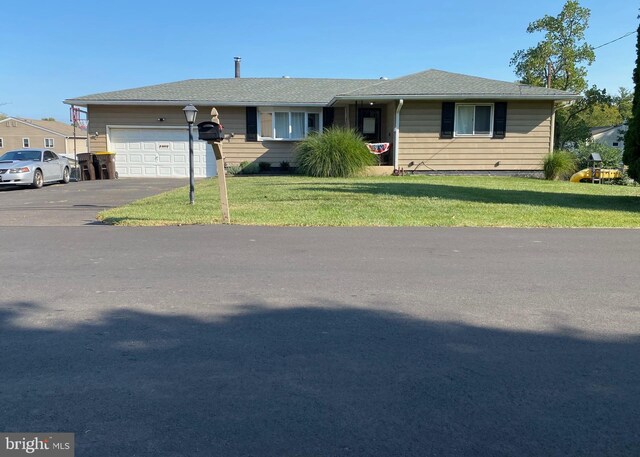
{"type": "Point", "coordinates": [317, 382]}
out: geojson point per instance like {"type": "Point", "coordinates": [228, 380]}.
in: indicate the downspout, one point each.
{"type": "Point", "coordinates": [396, 135]}
{"type": "Point", "coordinates": [553, 128]}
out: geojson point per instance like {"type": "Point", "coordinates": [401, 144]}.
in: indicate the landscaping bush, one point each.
{"type": "Point", "coordinates": [233, 169]}
{"type": "Point", "coordinates": [559, 165]}
{"type": "Point", "coordinates": [611, 157]}
{"type": "Point", "coordinates": [264, 166]}
{"type": "Point", "coordinates": [337, 152]}
{"type": "Point", "coordinates": [285, 166]}
{"type": "Point", "coordinates": [249, 168]}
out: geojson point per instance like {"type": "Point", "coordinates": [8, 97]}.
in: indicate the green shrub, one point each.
{"type": "Point", "coordinates": [559, 165]}
{"type": "Point", "coordinates": [264, 166]}
{"type": "Point", "coordinates": [611, 157]}
{"type": "Point", "coordinates": [249, 168]}
{"type": "Point", "coordinates": [624, 180]}
{"type": "Point", "coordinates": [233, 169]}
{"type": "Point", "coordinates": [337, 152]}
{"type": "Point", "coordinates": [285, 166]}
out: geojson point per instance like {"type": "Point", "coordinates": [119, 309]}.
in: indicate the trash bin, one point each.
{"type": "Point", "coordinates": [87, 169]}
{"type": "Point", "coordinates": [106, 165]}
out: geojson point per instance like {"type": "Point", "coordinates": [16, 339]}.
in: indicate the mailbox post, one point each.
{"type": "Point", "coordinates": [213, 133]}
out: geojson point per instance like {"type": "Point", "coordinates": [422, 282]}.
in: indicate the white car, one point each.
{"type": "Point", "coordinates": [33, 167]}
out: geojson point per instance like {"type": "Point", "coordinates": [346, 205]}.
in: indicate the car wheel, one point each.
{"type": "Point", "coordinates": [65, 176]}
{"type": "Point", "coordinates": [38, 179]}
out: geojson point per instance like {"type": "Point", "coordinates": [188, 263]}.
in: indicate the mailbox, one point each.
{"type": "Point", "coordinates": [210, 131]}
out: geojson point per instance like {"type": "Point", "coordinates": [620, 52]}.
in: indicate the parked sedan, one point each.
{"type": "Point", "coordinates": [33, 167]}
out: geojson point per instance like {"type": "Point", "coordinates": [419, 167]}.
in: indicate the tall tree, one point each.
{"type": "Point", "coordinates": [561, 58]}
{"type": "Point", "coordinates": [631, 155]}
{"type": "Point", "coordinates": [563, 48]}
{"type": "Point", "coordinates": [624, 102]}
{"type": "Point", "coordinates": [573, 122]}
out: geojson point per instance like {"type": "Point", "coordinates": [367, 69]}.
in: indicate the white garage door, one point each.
{"type": "Point", "coordinates": [159, 153]}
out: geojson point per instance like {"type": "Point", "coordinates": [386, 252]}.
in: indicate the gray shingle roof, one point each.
{"type": "Point", "coordinates": [310, 91]}
{"type": "Point", "coordinates": [247, 91]}
{"type": "Point", "coordinates": [442, 83]}
{"type": "Point", "coordinates": [60, 128]}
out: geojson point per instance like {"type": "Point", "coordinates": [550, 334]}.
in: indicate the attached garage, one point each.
{"type": "Point", "coordinates": [159, 152]}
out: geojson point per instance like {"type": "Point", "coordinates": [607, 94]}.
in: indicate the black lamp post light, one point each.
{"type": "Point", "coordinates": [190, 113]}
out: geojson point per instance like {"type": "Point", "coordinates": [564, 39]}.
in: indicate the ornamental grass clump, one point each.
{"type": "Point", "coordinates": [559, 165]}
{"type": "Point", "coordinates": [337, 153]}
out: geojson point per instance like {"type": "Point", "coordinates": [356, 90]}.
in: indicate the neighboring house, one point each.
{"type": "Point", "coordinates": [435, 121]}
{"type": "Point", "coordinates": [18, 133]}
{"type": "Point", "coordinates": [611, 136]}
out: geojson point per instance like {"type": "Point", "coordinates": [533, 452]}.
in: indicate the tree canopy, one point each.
{"type": "Point", "coordinates": [561, 58]}
{"type": "Point", "coordinates": [563, 47]}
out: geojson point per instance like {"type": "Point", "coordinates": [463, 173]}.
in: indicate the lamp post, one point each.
{"type": "Point", "coordinates": [190, 112]}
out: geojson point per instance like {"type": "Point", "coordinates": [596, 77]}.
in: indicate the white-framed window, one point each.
{"type": "Point", "coordinates": [287, 124]}
{"type": "Point", "coordinates": [25, 143]}
{"type": "Point", "coordinates": [48, 142]}
{"type": "Point", "coordinates": [473, 119]}
{"type": "Point", "coordinates": [1, 143]}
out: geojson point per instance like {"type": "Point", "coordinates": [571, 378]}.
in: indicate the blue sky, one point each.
{"type": "Point", "coordinates": [54, 50]}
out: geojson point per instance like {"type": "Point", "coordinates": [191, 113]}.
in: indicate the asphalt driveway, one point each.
{"type": "Point", "coordinates": [76, 203]}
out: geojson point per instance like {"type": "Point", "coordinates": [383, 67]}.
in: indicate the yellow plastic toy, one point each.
{"type": "Point", "coordinates": [601, 173]}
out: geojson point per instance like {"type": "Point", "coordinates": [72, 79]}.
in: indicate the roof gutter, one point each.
{"type": "Point", "coordinates": [396, 135]}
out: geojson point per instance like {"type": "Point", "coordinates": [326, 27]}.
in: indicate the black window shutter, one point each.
{"type": "Point", "coordinates": [252, 124]}
{"type": "Point", "coordinates": [446, 123]}
{"type": "Point", "coordinates": [327, 117]}
{"type": "Point", "coordinates": [500, 119]}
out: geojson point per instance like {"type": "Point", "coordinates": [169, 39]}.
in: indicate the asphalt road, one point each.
{"type": "Point", "coordinates": [253, 341]}
{"type": "Point", "coordinates": [76, 203]}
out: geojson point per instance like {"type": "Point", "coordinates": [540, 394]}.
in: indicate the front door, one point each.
{"type": "Point", "coordinates": [369, 124]}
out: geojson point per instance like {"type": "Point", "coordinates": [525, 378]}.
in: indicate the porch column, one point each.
{"type": "Point", "coordinates": [396, 135]}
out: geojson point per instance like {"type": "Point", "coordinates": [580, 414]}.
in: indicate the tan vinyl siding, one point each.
{"type": "Point", "coordinates": [525, 145]}
{"type": "Point", "coordinates": [236, 149]}
{"type": "Point", "coordinates": [12, 133]}
{"type": "Point", "coordinates": [80, 146]}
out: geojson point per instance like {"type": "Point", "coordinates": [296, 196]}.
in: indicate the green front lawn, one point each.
{"type": "Point", "coordinates": [392, 201]}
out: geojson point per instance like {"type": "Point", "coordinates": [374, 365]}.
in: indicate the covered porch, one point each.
{"type": "Point", "coordinates": [374, 120]}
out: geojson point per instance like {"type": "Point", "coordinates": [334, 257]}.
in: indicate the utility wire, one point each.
{"type": "Point", "coordinates": [619, 38]}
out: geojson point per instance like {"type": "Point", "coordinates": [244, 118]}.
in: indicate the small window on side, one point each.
{"type": "Point", "coordinates": [615, 144]}
{"type": "Point", "coordinates": [48, 142]}
{"type": "Point", "coordinates": [25, 143]}
{"type": "Point", "coordinates": [1, 143]}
